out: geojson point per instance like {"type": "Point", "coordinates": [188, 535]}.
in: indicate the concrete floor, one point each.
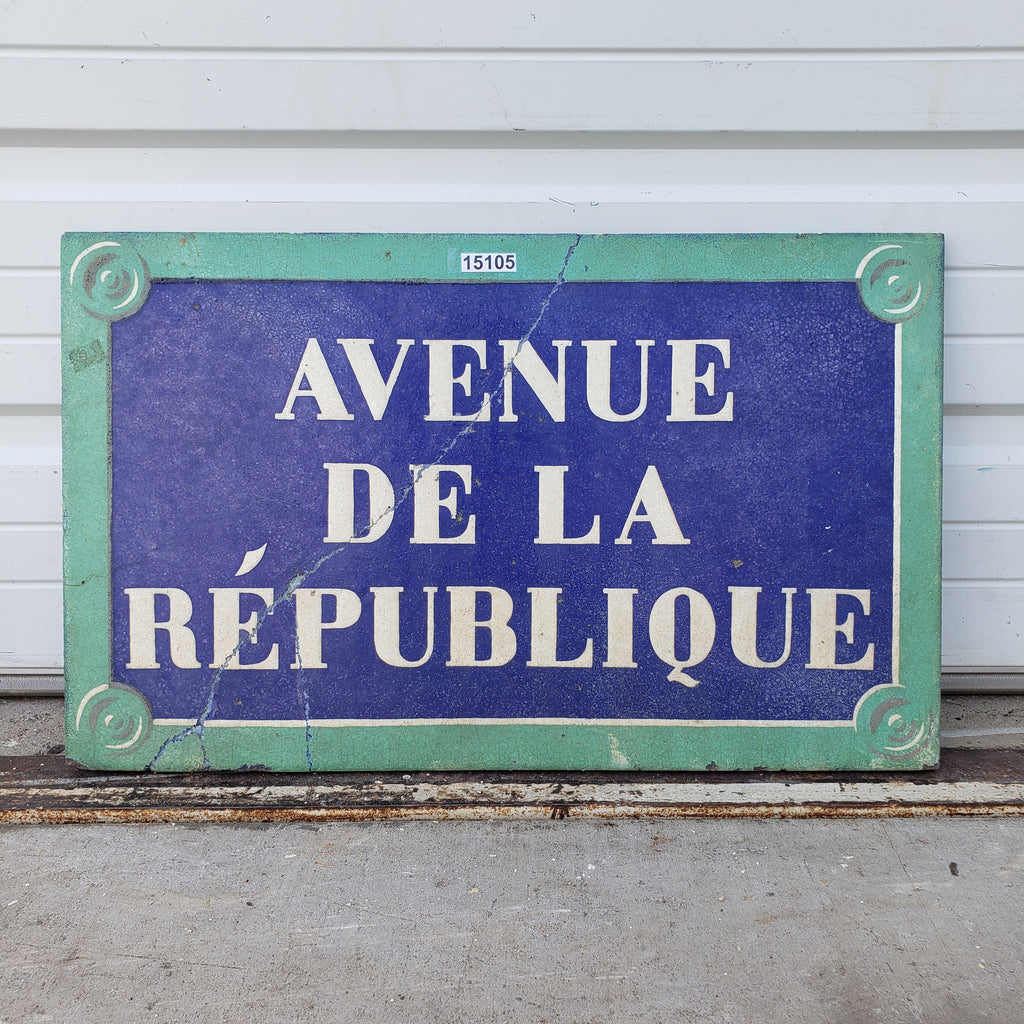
{"type": "Point", "coordinates": [630, 921]}
{"type": "Point", "coordinates": [583, 921]}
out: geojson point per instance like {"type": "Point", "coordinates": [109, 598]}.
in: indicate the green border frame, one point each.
{"type": "Point", "coordinates": [105, 277]}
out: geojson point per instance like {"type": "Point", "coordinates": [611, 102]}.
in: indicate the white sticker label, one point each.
{"type": "Point", "coordinates": [488, 262]}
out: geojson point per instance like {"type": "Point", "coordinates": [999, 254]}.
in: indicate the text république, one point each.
{"type": "Point", "coordinates": [681, 617]}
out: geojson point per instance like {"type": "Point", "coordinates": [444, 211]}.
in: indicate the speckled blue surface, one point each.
{"type": "Point", "coordinates": [796, 491]}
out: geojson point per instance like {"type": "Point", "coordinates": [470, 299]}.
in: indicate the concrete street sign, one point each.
{"type": "Point", "coordinates": [426, 501]}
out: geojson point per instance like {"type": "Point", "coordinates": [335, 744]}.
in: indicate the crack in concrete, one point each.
{"type": "Point", "coordinates": [198, 728]}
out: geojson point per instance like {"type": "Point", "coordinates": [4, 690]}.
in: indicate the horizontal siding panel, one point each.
{"type": "Point", "coordinates": [29, 372]}
{"type": "Point", "coordinates": [982, 626]}
{"type": "Point", "coordinates": [31, 554]}
{"type": "Point", "coordinates": [975, 232]}
{"type": "Point", "coordinates": [30, 304]}
{"type": "Point", "coordinates": [58, 91]}
{"type": "Point", "coordinates": [29, 439]}
{"type": "Point", "coordinates": [482, 183]}
{"type": "Point", "coordinates": [984, 304]}
{"type": "Point", "coordinates": [985, 372]}
{"type": "Point", "coordinates": [987, 494]}
{"type": "Point", "coordinates": [991, 553]}
{"type": "Point", "coordinates": [31, 494]}
{"type": "Point", "coordinates": [31, 627]}
{"type": "Point", "coordinates": [470, 24]}
{"type": "Point", "coordinates": [302, 167]}
{"type": "Point", "coordinates": [984, 440]}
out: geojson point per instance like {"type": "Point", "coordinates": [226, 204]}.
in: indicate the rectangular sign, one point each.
{"type": "Point", "coordinates": [425, 501]}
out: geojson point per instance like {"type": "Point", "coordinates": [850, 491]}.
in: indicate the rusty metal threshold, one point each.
{"type": "Point", "coordinates": [48, 789]}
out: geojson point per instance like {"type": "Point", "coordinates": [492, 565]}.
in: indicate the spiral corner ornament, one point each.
{"type": "Point", "coordinates": [110, 280]}
{"type": "Point", "coordinates": [118, 717]}
{"type": "Point", "coordinates": [892, 728]}
{"type": "Point", "coordinates": [891, 289]}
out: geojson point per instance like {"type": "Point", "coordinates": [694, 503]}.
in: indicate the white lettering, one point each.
{"type": "Point", "coordinates": [142, 627]}
{"type": "Point", "coordinates": [310, 622]}
{"type": "Point", "coordinates": [228, 629]}
{"type": "Point", "coordinates": [544, 633]}
{"type": "Point", "coordinates": [744, 626]}
{"type": "Point", "coordinates": [824, 629]}
{"type": "Point", "coordinates": [549, 388]}
{"type": "Point", "coordinates": [341, 503]}
{"type": "Point", "coordinates": [620, 628]}
{"type": "Point", "coordinates": [376, 390]}
{"type": "Point", "coordinates": [387, 631]}
{"type": "Point", "coordinates": [427, 501]}
{"type": "Point", "coordinates": [322, 389]}
{"type": "Point", "coordinates": [551, 510]}
{"type": "Point", "coordinates": [656, 510]}
{"type": "Point", "coordinates": [685, 379]}
{"type": "Point", "coordinates": [662, 627]}
{"type": "Point", "coordinates": [599, 380]}
{"type": "Point", "coordinates": [464, 626]}
{"type": "Point", "coordinates": [441, 380]}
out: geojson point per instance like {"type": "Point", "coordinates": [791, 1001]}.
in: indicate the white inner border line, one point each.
{"type": "Point", "coordinates": [897, 470]}
{"type": "Point", "coordinates": [297, 723]}
{"type": "Point", "coordinates": [649, 722]}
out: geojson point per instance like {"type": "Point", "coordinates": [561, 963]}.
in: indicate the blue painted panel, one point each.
{"type": "Point", "coordinates": [794, 490]}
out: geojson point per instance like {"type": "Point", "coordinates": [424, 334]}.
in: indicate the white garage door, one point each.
{"type": "Point", "coordinates": [581, 116]}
